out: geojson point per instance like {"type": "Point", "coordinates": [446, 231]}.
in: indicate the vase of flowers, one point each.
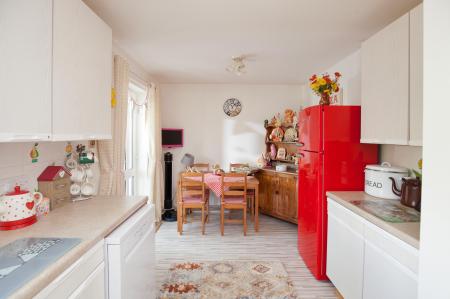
{"type": "Point", "coordinates": [324, 86]}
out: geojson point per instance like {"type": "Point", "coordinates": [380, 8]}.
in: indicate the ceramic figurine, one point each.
{"type": "Point", "coordinates": [289, 116]}
{"type": "Point", "coordinates": [266, 123]}
{"type": "Point", "coordinates": [295, 121]}
{"type": "Point", "coordinates": [273, 151]}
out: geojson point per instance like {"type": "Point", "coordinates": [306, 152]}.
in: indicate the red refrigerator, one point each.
{"type": "Point", "coordinates": [331, 159]}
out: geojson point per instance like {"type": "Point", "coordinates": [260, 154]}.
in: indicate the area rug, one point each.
{"type": "Point", "coordinates": [227, 279]}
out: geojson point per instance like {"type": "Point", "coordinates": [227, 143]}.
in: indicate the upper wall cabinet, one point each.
{"type": "Point", "coordinates": [391, 70]}
{"type": "Point", "coordinates": [26, 70]}
{"type": "Point", "coordinates": [416, 75]}
{"type": "Point", "coordinates": [56, 71]}
{"type": "Point", "coordinates": [82, 66]}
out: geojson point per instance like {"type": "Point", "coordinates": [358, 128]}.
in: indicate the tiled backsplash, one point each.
{"type": "Point", "coordinates": [16, 165]}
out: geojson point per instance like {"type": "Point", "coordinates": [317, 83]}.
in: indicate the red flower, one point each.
{"type": "Point", "coordinates": [313, 78]}
{"type": "Point", "coordinates": [327, 79]}
{"type": "Point", "coordinates": [337, 74]}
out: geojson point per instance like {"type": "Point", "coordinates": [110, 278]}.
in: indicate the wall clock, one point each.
{"type": "Point", "coordinates": [232, 107]}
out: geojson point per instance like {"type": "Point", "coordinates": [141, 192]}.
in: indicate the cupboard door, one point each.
{"type": "Point", "coordinates": [93, 286]}
{"type": "Point", "coordinates": [82, 71]}
{"type": "Point", "coordinates": [416, 76]}
{"type": "Point", "coordinates": [385, 85]}
{"type": "Point", "coordinates": [390, 266]}
{"type": "Point", "coordinates": [345, 251]}
{"type": "Point", "coordinates": [25, 73]}
{"type": "Point", "coordinates": [287, 204]}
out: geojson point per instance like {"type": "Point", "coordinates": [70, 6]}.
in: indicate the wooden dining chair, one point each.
{"type": "Point", "coordinates": [250, 193]}
{"type": "Point", "coordinates": [192, 195]}
{"type": "Point", "coordinates": [234, 197]}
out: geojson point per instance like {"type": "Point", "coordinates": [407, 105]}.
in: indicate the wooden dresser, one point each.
{"type": "Point", "coordinates": [278, 195]}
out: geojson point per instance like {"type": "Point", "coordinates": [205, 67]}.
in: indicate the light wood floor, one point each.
{"type": "Point", "coordinates": [276, 241]}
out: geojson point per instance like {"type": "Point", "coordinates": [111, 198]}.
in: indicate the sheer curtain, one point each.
{"type": "Point", "coordinates": [155, 166]}
{"type": "Point", "coordinates": [112, 152]}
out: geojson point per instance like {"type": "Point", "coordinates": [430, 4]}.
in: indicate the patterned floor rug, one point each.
{"type": "Point", "coordinates": [226, 279]}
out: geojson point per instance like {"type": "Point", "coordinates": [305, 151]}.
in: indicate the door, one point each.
{"type": "Point", "coordinates": [287, 204]}
{"type": "Point", "coordinates": [385, 85]}
{"type": "Point", "coordinates": [25, 73]}
{"type": "Point", "coordinates": [345, 251]}
{"type": "Point", "coordinates": [386, 278]}
{"type": "Point", "coordinates": [416, 75]}
{"type": "Point", "coordinates": [82, 71]}
{"type": "Point", "coordinates": [93, 286]}
{"type": "Point", "coordinates": [310, 212]}
{"type": "Point", "coordinates": [309, 129]}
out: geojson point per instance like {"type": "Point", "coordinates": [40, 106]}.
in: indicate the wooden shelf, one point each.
{"type": "Point", "coordinates": [283, 142]}
{"type": "Point", "coordinates": [281, 160]}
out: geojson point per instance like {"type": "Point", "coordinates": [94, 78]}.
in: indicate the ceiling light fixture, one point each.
{"type": "Point", "coordinates": [237, 66]}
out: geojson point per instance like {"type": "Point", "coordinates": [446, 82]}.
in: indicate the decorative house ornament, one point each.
{"type": "Point", "coordinates": [232, 107]}
{"type": "Point", "coordinates": [324, 86]}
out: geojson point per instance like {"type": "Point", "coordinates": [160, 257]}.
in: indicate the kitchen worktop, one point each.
{"type": "Point", "coordinates": [409, 232]}
{"type": "Point", "coordinates": [90, 220]}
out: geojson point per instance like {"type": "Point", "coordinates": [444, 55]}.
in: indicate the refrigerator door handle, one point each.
{"type": "Point", "coordinates": [301, 144]}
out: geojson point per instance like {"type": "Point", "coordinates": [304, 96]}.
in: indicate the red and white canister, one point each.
{"type": "Point", "coordinates": [18, 208]}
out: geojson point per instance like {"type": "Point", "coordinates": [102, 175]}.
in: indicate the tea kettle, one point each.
{"type": "Point", "coordinates": [410, 192]}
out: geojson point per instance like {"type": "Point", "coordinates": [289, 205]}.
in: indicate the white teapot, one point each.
{"type": "Point", "coordinates": [18, 208]}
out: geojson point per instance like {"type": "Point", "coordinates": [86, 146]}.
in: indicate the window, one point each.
{"type": "Point", "coordinates": [136, 144]}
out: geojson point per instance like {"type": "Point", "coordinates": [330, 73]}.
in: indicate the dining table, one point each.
{"type": "Point", "coordinates": [213, 182]}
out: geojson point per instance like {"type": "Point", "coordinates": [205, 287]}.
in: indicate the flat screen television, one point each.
{"type": "Point", "coordinates": [172, 138]}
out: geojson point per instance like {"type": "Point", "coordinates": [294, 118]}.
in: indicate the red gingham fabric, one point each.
{"type": "Point", "coordinates": [214, 182]}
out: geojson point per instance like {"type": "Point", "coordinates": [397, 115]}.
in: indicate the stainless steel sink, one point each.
{"type": "Point", "coordinates": [23, 259]}
{"type": "Point", "coordinates": [389, 210]}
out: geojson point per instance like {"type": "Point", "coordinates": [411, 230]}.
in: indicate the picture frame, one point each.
{"type": "Point", "coordinates": [281, 153]}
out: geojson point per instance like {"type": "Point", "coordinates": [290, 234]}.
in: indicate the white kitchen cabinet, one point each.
{"type": "Point", "coordinates": [365, 261]}
{"type": "Point", "coordinates": [345, 251]}
{"type": "Point", "coordinates": [56, 70]}
{"type": "Point", "coordinates": [390, 266]}
{"type": "Point", "coordinates": [416, 76]}
{"type": "Point", "coordinates": [93, 286]}
{"type": "Point", "coordinates": [26, 70]}
{"type": "Point", "coordinates": [82, 66]}
{"type": "Point", "coordinates": [85, 275]}
{"type": "Point", "coordinates": [385, 85]}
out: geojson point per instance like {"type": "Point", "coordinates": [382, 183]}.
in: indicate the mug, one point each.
{"type": "Point", "coordinates": [78, 175]}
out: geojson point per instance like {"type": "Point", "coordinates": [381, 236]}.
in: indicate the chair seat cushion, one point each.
{"type": "Point", "coordinates": [231, 199]}
{"type": "Point", "coordinates": [193, 199]}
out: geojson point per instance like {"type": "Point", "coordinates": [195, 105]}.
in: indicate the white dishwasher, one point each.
{"type": "Point", "coordinates": [130, 257]}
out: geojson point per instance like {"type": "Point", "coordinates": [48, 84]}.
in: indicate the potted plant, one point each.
{"type": "Point", "coordinates": [324, 86]}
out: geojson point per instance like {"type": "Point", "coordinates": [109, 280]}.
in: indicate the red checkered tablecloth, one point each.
{"type": "Point", "coordinates": [214, 182]}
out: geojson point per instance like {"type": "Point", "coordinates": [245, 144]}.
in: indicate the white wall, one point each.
{"type": "Point", "coordinates": [435, 221]}
{"type": "Point", "coordinates": [209, 134]}
{"type": "Point", "coordinates": [350, 68]}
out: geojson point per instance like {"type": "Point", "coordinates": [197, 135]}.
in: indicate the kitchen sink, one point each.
{"type": "Point", "coordinates": [389, 210]}
{"type": "Point", "coordinates": [23, 259]}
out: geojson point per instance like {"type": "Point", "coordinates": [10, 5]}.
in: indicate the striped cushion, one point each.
{"type": "Point", "coordinates": [193, 199]}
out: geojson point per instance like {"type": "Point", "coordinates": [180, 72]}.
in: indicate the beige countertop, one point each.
{"type": "Point", "coordinates": [91, 220]}
{"type": "Point", "coordinates": [408, 232]}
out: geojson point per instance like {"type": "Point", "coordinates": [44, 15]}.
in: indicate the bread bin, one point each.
{"type": "Point", "coordinates": [378, 182]}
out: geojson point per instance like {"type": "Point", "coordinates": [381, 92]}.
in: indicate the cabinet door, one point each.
{"type": "Point", "coordinates": [272, 193]}
{"type": "Point", "coordinates": [390, 266]}
{"type": "Point", "coordinates": [345, 251]}
{"type": "Point", "coordinates": [287, 204]}
{"type": "Point", "coordinates": [385, 85]}
{"type": "Point", "coordinates": [93, 286]}
{"type": "Point", "coordinates": [416, 75]}
{"type": "Point", "coordinates": [25, 73]}
{"type": "Point", "coordinates": [82, 64]}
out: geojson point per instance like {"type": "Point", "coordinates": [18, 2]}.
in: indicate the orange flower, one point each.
{"type": "Point", "coordinates": [337, 74]}
{"type": "Point", "coordinates": [313, 78]}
